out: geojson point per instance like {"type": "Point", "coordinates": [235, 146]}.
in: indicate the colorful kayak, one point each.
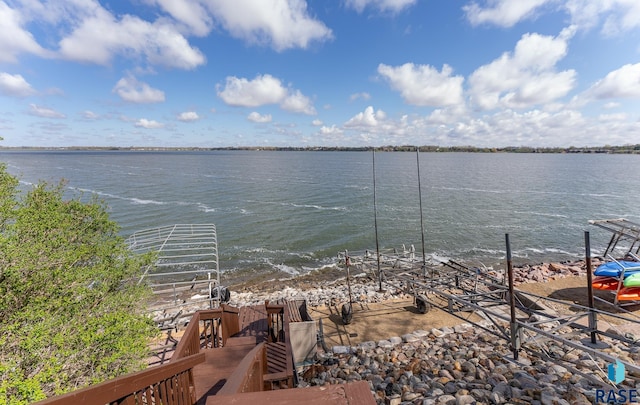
{"type": "Point", "coordinates": [613, 269]}
{"type": "Point", "coordinates": [629, 294]}
{"type": "Point", "coordinates": [632, 281]}
{"type": "Point", "coordinates": [605, 283]}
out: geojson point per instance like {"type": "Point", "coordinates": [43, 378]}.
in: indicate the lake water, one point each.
{"type": "Point", "coordinates": [294, 211]}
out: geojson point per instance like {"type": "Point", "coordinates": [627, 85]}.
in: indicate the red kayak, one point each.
{"type": "Point", "coordinates": [629, 294]}
{"type": "Point", "coordinates": [605, 283]}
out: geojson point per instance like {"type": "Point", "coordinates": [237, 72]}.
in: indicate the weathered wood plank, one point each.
{"type": "Point", "coordinates": [253, 322]}
{"type": "Point", "coordinates": [219, 364]}
{"type": "Point", "coordinates": [245, 372]}
{"type": "Point", "coordinates": [355, 393]}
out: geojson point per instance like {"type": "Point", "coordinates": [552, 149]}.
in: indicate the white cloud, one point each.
{"type": "Point", "coordinates": [316, 123]}
{"type": "Point", "coordinates": [504, 13]}
{"type": "Point", "coordinates": [392, 6]}
{"type": "Point", "coordinates": [14, 85]}
{"type": "Point", "coordinates": [90, 33]}
{"type": "Point", "coordinates": [264, 90]}
{"type": "Point", "coordinates": [14, 39]}
{"type": "Point", "coordinates": [527, 76]}
{"type": "Point", "coordinates": [363, 95]}
{"type": "Point", "coordinates": [256, 117]}
{"type": "Point", "coordinates": [332, 130]}
{"type": "Point", "coordinates": [423, 85]}
{"type": "Point", "coordinates": [505, 127]}
{"type": "Point", "coordinates": [618, 16]}
{"type": "Point", "coordinates": [536, 127]}
{"type": "Point", "coordinates": [614, 16]}
{"type": "Point", "coordinates": [58, 11]}
{"type": "Point", "coordinates": [620, 83]}
{"type": "Point", "coordinates": [188, 116]}
{"type": "Point", "coordinates": [298, 103]}
{"type": "Point", "coordinates": [192, 13]}
{"type": "Point", "coordinates": [447, 116]}
{"type": "Point", "coordinates": [44, 112]}
{"type": "Point", "coordinates": [611, 105]}
{"type": "Point", "coordinates": [621, 117]}
{"type": "Point", "coordinates": [587, 14]}
{"type": "Point", "coordinates": [148, 124]}
{"type": "Point", "coordinates": [281, 24]}
{"type": "Point", "coordinates": [367, 118]}
{"type": "Point", "coordinates": [90, 115]}
{"type": "Point", "coordinates": [133, 91]}
{"type": "Point", "coordinates": [99, 37]}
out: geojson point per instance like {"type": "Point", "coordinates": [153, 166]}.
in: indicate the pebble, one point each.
{"type": "Point", "coordinates": [365, 289]}
{"type": "Point", "coordinates": [454, 369]}
{"type": "Point", "coordinates": [457, 365]}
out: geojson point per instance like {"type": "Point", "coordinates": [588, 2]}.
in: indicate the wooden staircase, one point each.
{"type": "Point", "coordinates": [226, 355]}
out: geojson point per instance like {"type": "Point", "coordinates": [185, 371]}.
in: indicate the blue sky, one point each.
{"type": "Point", "coordinates": [217, 73]}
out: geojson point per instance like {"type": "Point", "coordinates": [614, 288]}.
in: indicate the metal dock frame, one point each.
{"type": "Point", "coordinates": [521, 318]}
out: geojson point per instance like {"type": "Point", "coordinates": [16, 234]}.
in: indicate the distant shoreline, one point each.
{"type": "Point", "coordinates": [624, 149]}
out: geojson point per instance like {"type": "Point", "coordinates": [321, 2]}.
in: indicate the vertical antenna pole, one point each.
{"type": "Point", "coordinates": [424, 260]}
{"type": "Point", "coordinates": [515, 338]}
{"type": "Point", "coordinates": [347, 263]}
{"type": "Point", "coordinates": [593, 323]}
{"type": "Point", "coordinates": [375, 220]}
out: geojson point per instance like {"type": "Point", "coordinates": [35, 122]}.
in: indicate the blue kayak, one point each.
{"type": "Point", "coordinates": [613, 269]}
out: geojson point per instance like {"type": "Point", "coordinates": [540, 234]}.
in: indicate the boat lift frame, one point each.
{"type": "Point", "coordinates": [186, 262]}
{"type": "Point", "coordinates": [524, 319]}
{"type": "Point", "coordinates": [514, 313]}
{"type": "Point", "coordinates": [622, 230]}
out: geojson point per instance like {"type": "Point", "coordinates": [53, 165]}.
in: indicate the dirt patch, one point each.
{"type": "Point", "coordinates": [378, 321]}
{"type": "Point", "coordinates": [375, 322]}
{"type": "Point", "coordinates": [573, 290]}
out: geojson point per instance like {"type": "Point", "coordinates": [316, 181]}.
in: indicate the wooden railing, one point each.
{"type": "Point", "coordinates": [267, 366]}
{"type": "Point", "coordinates": [248, 376]}
{"type": "Point", "coordinates": [170, 384]}
{"type": "Point", "coordinates": [230, 322]}
{"type": "Point", "coordinates": [207, 329]}
{"type": "Point", "coordinates": [167, 384]}
{"type": "Point", "coordinates": [279, 365]}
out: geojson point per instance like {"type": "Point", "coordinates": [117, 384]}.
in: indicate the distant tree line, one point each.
{"type": "Point", "coordinates": [623, 149]}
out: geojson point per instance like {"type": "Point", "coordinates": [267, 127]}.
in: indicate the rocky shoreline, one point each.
{"type": "Point", "coordinates": [461, 364]}
{"type": "Point", "coordinates": [464, 365]}
{"type": "Point", "coordinates": [322, 290]}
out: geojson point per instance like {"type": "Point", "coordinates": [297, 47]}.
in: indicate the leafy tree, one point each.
{"type": "Point", "coordinates": [70, 313]}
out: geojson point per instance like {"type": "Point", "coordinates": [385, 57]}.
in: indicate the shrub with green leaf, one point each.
{"type": "Point", "coordinates": [71, 313]}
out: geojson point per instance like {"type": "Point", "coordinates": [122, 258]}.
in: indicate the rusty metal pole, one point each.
{"type": "Point", "coordinates": [424, 259]}
{"type": "Point", "coordinates": [515, 339]}
{"type": "Point", "coordinates": [593, 321]}
{"type": "Point", "coordinates": [375, 221]}
{"type": "Point", "coordinates": [348, 264]}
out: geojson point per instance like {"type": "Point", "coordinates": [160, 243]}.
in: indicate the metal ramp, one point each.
{"type": "Point", "coordinates": [185, 276]}
{"type": "Point", "coordinates": [622, 231]}
{"type": "Point", "coordinates": [544, 325]}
